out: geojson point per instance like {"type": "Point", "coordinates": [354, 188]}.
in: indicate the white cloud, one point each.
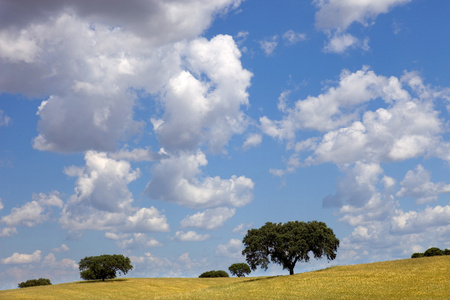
{"type": "Point", "coordinates": [147, 220]}
{"type": "Point", "coordinates": [337, 15]}
{"type": "Point", "coordinates": [138, 154]}
{"type": "Point", "coordinates": [4, 119]}
{"type": "Point", "coordinates": [233, 249]}
{"type": "Point", "coordinates": [102, 200]}
{"type": "Point", "coordinates": [337, 107]}
{"type": "Point", "coordinates": [269, 45]}
{"type": "Point", "coordinates": [103, 183]}
{"type": "Point", "coordinates": [179, 179]}
{"type": "Point", "coordinates": [419, 221]}
{"type": "Point", "coordinates": [88, 65]}
{"type": "Point", "coordinates": [64, 264]}
{"type": "Point", "coordinates": [52, 199]}
{"type": "Point", "coordinates": [339, 43]}
{"type": "Point", "coordinates": [8, 231]}
{"type": "Point", "coordinates": [62, 248]}
{"type": "Point", "coordinates": [18, 258]}
{"type": "Point", "coordinates": [292, 37]}
{"type": "Point", "coordinates": [242, 228]}
{"type": "Point", "coordinates": [203, 104]}
{"type": "Point", "coordinates": [209, 219]}
{"type": "Point", "coordinates": [138, 240]}
{"type": "Point", "coordinates": [252, 140]}
{"type": "Point", "coordinates": [30, 214]}
{"type": "Point", "coordinates": [1, 204]}
{"type": "Point", "coordinates": [340, 14]}
{"type": "Point", "coordinates": [190, 236]}
{"type": "Point", "coordinates": [417, 185]}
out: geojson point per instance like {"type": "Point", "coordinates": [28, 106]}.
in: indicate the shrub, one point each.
{"type": "Point", "coordinates": [433, 251]}
{"type": "Point", "coordinates": [417, 255]}
{"type": "Point", "coordinates": [239, 269]}
{"type": "Point", "coordinates": [214, 273]}
{"type": "Point", "coordinates": [447, 252]}
{"type": "Point", "coordinates": [35, 282]}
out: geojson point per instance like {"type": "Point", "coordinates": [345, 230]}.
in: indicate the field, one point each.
{"type": "Point", "coordinates": [420, 278]}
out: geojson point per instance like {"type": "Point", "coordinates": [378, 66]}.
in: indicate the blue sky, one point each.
{"type": "Point", "coordinates": [164, 130]}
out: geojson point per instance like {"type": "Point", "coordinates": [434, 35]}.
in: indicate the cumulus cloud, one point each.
{"type": "Point", "coordinates": [50, 261]}
{"type": "Point", "coordinates": [138, 154]}
{"type": "Point", "coordinates": [18, 258]}
{"type": "Point", "coordinates": [291, 37]}
{"type": "Point", "coordinates": [52, 199]}
{"type": "Point", "coordinates": [209, 219]}
{"type": "Point", "coordinates": [88, 66]}
{"type": "Point", "coordinates": [8, 231]}
{"type": "Point", "coordinates": [417, 185]}
{"type": "Point", "coordinates": [103, 183]}
{"type": "Point", "coordinates": [252, 140]}
{"type": "Point", "coordinates": [138, 240]}
{"type": "Point", "coordinates": [337, 14]}
{"type": "Point", "coordinates": [337, 106]}
{"type": "Point", "coordinates": [102, 200]}
{"type": "Point", "coordinates": [203, 104]}
{"type": "Point", "coordinates": [4, 119]}
{"type": "Point", "coordinates": [190, 236]}
{"type": "Point", "coordinates": [339, 43]}
{"type": "Point", "coordinates": [269, 45]}
{"type": "Point", "coordinates": [242, 228]}
{"type": "Point", "coordinates": [419, 221]}
{"type": "Point", "coordinates": [62, 248]}
{"type": "Point", "coordinates": [30, 214]}
{"type": "Point", "coordinates": [233, 249]}
{"type": "Point", "coordinates": [179, 179]}
{"type": "Point", "coordinates": [364, 123]}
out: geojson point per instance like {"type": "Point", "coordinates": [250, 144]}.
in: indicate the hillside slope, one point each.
{"type": "Point", "coordinates": [421, 278]}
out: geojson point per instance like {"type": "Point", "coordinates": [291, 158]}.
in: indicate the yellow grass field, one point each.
{"type": "Point", "coordinates": [420, 278]}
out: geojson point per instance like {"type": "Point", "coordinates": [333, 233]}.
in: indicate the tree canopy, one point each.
{"type": "Point", "coordinates": [288, 243]}
{"type": "Point", "coordinates": [239, 269]}
{"type": "Point", "coordinates": [104, 266]}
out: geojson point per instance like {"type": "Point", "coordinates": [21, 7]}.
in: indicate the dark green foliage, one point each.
{"type": "Point", "coordinates": [214, 273]}
{"type": "Point", "coordinates": [35, 282]}
{"type": "Point", "coordinates": [104, 266]}
{"type": "Point", "coordinates": [447, 252]}
{"type": "Point", "coordinates": [417, 255]}
{"type": "Point", "coordinates": [288, 243]}
{"type": "Point", "coordinates": [239, 269]}
{"type": "Point", "coordinates": [433, 251]}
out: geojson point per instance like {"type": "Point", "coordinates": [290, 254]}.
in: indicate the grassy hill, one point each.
{"type": "Point", "coordinates": [420, 278]}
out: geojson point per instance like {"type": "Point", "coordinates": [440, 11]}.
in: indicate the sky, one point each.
{"type": "Point", "coordinates": [164, 130]}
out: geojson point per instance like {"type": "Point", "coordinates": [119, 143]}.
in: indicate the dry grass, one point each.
{"type": "Point", "coordinates": [421, 278]}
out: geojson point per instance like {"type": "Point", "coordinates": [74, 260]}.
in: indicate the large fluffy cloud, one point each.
{"type": "Point", "coordinates": [18, 258]}
{"type": "Point", "coordinates": [364, 125]}
{"type": "Point", "coordinates": [89, 71]}
{"type": "Point", "coordinates": [102, 200]}
{"type": "Point", "coordinates": [179, 179]}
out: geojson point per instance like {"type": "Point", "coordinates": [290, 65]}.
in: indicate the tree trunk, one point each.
{"type": "Point", "coordinates": [291, 271]}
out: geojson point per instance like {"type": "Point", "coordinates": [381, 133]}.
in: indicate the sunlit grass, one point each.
{"type": "Point", "coordinates": [421, 278]}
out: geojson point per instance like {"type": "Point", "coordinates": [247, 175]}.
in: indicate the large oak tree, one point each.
{"type": "Point", "coordinates": [104, 266]}
{"type": "Point", "coordinates": [286, 244]}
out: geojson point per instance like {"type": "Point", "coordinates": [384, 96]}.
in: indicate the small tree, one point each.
{"type": "Point", "coordinates": [104, 266]}
{"type": "Point", "coordinates": [433, 251]}
{"type": "Point", "coordinates": [213, 273]}
{"type": "Point", "coordinates": [35, 282]}
{"type": "Point", "coordinates": [417, 255]}
{"type": "Point", "coordinates": [239, 269]}
{"type": "Point", "coordinates": [288, 243]}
